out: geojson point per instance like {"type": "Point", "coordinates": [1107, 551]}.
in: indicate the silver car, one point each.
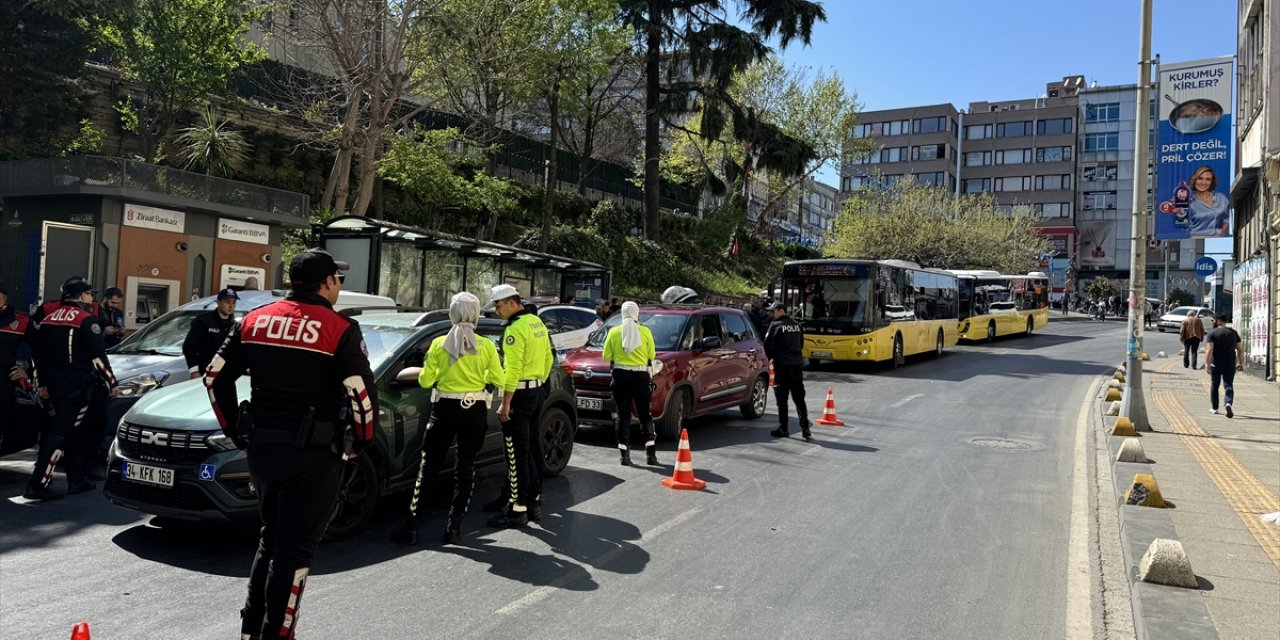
{"type": "Point", "coordinates": [1173, 319]}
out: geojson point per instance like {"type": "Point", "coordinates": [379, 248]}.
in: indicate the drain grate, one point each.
{"type": "Point", "coordinates": [998, 443]}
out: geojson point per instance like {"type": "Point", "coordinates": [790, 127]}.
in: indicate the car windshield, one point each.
{"type": "Point", "coordinates": [383, 342]}
{"type": "Point", "coordinates": [164, 336]}
{"type": "Point", "coordinates": [1180, 312]}
{"type": "Point", "coordinates": [666, 328]}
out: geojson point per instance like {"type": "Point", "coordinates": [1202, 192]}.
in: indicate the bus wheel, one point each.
{"type": "Point", "coordinates": [1031, 324]}
{"type": "Point", "coordinates": [937, 348]}
{"type": "Point", "coordinates": [898, 358]}
{"type": "Point", "coordinates": [991, 331]}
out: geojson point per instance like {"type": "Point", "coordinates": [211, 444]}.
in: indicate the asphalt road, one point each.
{"type": "Point", "coordinates": [941, 510]}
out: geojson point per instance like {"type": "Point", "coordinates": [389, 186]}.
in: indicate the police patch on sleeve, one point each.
{"type": "Point", "coordinates": [511, 339]}
{"type": "Point", "coordinates": [364, 348]}
{"type": "Point", "coordinates": [93, 326]}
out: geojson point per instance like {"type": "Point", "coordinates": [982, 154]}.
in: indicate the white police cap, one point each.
{"type": "Point", "coordinates": [502, 292]}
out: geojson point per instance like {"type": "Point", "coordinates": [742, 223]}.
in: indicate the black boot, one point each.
{"type": "Point", "coordinates": [496, 505]}
{"type": "Point", "coordinates": [626, 457]}
{"type": "Point", "coordinates": [511, 519]}
{"type": "Point", "coordinates": [651, 455]}
{"type": "Point", "coordinates": [452, 531]}
{"type": "Point", "coordinates": [804, 430]}
{"type": "Point", "coordinates": [780, 432]}
{"type": "Point", "coordinates": [406, 533]}
{"type": "Point", "coordinates": [40, 492]}
{"type": "Point", "coordinates": [535, 511]}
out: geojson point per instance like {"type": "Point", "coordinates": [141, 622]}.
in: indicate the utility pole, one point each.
{"type": "Point", "coordinates": [1133, 405]}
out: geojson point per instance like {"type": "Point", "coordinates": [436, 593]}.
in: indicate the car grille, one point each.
{"type": "Point", "coordinates": [181, 496]}
{"type": "Point", "coordinates": [163, 445]}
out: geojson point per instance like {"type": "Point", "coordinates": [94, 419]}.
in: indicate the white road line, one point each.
{"type": "Point", "coordinates": [541, 593]}
{"type": "Point", "coordinates": [905, 400]}
{"type": "Point", "coordinates": [1079, 602]}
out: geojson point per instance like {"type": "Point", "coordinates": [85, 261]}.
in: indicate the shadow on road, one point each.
{"type": "Point", "coordinates": [605, 543]}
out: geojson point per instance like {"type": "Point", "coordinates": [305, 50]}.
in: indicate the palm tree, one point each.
{"type": "Point", "coordinates": [212, 145]}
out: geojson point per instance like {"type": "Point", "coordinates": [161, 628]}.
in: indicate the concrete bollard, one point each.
{"type": "Point", "coordinates": [1123, 427]}
{"type": "Point", "coordinates": [1114, 409]}
{"type": "Point", "coordinates": [1144, 492]}
{"type": "Point", "coordinates": [1115, 384]}
{"type": "Point", "coordinates": [1131, 451]}
{"type": "Point", "coordinates": [1145, 357]}
{"type": "Point", "coordinates": [1113, 394]}
{"type": "Point", "coordinates": [1165, 562]}
{"type": "Point", "coordinates": [1161, 355]}
{"type": "Point", "coordinates": [1118, 376]}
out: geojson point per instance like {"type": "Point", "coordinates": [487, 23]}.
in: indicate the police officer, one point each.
{"type": "Point", "coordinates": [69, 354]}
{"type": "Point", "coordinates": [784, 345]}
{"type": "Point", "coordinates": [311, 382]}
{"type": "Point", "coordinates": [528, 358]}
{"type": "Point", "coordinates": [208, 331]}
{"type": "Point", "coordinates": [13, 334]}
{"type": "Point", "coordinates": [458, 366]}
{"type": "Point", "coordinates": [629, 348]}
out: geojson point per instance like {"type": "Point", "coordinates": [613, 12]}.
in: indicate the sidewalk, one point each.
{"type": "Point", "coordinates": [1219, 475]}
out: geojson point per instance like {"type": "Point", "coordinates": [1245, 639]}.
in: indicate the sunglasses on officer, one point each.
{"type": "Point", "coordinates": [341, 277]}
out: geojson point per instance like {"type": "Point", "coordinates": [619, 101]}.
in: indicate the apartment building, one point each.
{"type": "Point", "coordinates": [803, 217]}
{"type": "Point", "coordinates": [915, 141]}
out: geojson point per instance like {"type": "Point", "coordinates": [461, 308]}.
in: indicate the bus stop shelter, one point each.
{"type": "Point", "coordinates": [418, 267]}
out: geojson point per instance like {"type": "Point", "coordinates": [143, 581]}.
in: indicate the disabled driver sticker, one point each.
{"type": "Point", "coordinates": [207, 471]}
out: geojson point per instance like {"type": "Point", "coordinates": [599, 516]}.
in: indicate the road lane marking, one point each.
{"type": "Point", "coordinates": [898, 404]}
{"type": "Point", "coordinates": [1246, 495]}
{"type": "Point", "coordinates": [543, 592]}
{"type": "Point", "coordinates": [1079, 601]}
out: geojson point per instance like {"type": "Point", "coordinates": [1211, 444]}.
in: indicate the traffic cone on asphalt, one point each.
{"type": "Point", "coordinates": [80, 631]}
{"type": "Point", "coordinates": [829, 418]}
{"type": "Point", "coordinates": [683, 476]}
{"type": "Point", "coordinates": [771, 382]}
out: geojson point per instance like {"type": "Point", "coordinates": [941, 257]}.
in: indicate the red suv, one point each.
{"type": "Point", "coordinates": [712, 359]}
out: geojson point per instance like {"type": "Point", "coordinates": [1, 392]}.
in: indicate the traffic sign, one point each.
{"type": "Point", "coordinates": [1206, 266]}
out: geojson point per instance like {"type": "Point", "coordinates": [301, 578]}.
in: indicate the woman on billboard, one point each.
{"type": "Point", "coordinates": [1208, 207]}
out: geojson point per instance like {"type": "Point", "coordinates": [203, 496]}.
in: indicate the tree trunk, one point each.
{"type": "Point", "coordinates": [652, 149]}
{"type": "Point", "coordinates": [368, 173]}
{"type": "Point", "coordinates": [552, 182]}
{"type": "Point", "coordinates": [343, 189]}
{"type": "Point", "coordinates": [335, 190]}
{"type": "Point", "coordinates": [584, 160]}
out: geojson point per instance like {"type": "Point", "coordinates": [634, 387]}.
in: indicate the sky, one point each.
{"type": "Point", "coordinates": [903, 53]}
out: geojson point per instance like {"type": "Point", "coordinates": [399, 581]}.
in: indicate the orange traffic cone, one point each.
{"type": "Point", "coordinates": [80, 631]}
{"type": "Point", "coordinates": [829, 418]}
{"type": "Point", "coordinates": [771, 382]}
{"type": "Point", "coordinates": [683, 476]}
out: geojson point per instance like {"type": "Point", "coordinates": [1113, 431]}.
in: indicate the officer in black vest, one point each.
{"type": "Point", "coordinates": [207, 333]}
{"type": "Point", "coordinates": [13, 335]}
{"type": "Point", "coordinates": [784, 345]}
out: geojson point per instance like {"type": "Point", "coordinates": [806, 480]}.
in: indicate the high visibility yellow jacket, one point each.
{"type": "Point", "coordinates": [468, 374]}
{"type": "Point", "coordinates": [613, 351]}
{"type": "Point", "coordinates": [526, 350]}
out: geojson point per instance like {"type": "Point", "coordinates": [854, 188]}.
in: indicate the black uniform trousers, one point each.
{"type": "Point", "coordinates": [450, 421]}
{"type": "Point", "coordinates": [70, 392]}
{"type": "Point", "coordinates": [524, 475]}
{"type": "Point", "coordinates": [296, 493]}
{"type": "Point", "coordinates": [95, 440]}
{"type": "Point", "coordinates": [632, 388]}
{"type": "Point", "coordinates": [8, 412]}
{"type": "Point", "coordinates": [789, 380]}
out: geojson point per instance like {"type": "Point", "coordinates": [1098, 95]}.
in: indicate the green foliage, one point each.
{"type": "Point", "coordinates": [88, 140]}
{"type": "Point", "coordinates": [440, 167]}
{"type": "Point", "coordinates": [1100, 288]}
{"type": "Point", "coordinates": [930, 226]}
{"type": "Point", "coordinates": [212, 146]}
{"type": "Point", "coordinates": [1180, 298]}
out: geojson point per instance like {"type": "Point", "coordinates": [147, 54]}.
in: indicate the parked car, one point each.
{"type": "Point", "coordinates": [570, 326]}
{"type": "Point", "coordinates": [171, 459]}
{"type": "Point", "coordinates": [712, 360]}
{"type": "Point", "coordinates": [1173, 319]}
{"type": "Point", "coordinates": [152, 357]}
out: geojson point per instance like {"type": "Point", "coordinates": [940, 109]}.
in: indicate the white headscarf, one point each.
{"type": "Point", "coordinates": [464, 312]}
{"type": "Point", "coordinates": [630, 330]}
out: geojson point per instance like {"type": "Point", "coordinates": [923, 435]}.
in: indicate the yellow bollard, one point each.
{"type": "Point", "coordinates": [1113, 394]}
{"type": "Point", "coordinates": [1152, 490]}
{"type": "Point", "coordinates": [1123, 427]}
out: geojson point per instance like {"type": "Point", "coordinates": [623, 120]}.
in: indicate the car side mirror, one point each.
{"type": "Point", "coordinates": [711, 342]}
{"type": "Point", "coordinates": [408, 377]}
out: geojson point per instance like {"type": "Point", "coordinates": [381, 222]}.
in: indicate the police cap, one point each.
{"type": "Point", "coordinates": [74, 286]}
{"type": "Point", "coordinates": [312, 266]}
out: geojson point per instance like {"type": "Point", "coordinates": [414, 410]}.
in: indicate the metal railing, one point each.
{"type": "Point", "coordinates": [100, 172]}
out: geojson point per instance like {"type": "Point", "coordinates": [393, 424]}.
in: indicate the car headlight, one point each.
{"type": "Point", "coordinates": [220, 442]}
{"type": "Point", "coordinates": [134, 387]}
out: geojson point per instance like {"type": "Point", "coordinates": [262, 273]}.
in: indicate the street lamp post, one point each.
{"type": "Point", "coordinates": [1133, 405]}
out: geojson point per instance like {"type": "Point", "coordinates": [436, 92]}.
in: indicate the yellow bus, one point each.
{"type": "Point", "coordinates": [993, 304]}
{"type": "Point", "coordinates": [870, 310]}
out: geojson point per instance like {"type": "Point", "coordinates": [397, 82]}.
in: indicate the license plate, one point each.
{"type": "Point", "coordinates": [819, 354]}
{"type": "Point", "coordinates": [147, 474]}
{"type": "Point", "coordinates": [590, 404]}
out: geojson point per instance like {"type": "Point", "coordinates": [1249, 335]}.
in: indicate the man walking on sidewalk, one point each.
{"type": "Point", "coordinates": [1223, 356]}
{"type": "Point", "coordinates": [1191, 333]}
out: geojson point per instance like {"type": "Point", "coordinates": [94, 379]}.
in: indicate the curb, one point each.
{"type": "Point", "coordinates": [1159, 612]}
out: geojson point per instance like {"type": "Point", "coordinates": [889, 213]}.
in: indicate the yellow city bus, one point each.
{"type": "Point", "coordinates": [993, 304]}
{"type": "Point", "coordinates": [870, 310]}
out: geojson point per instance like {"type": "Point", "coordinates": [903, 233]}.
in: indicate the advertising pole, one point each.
{"type": "Point", "coordinates": [1133, 405]}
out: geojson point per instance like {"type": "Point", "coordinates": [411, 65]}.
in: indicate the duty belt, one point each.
{"type": "Point", "coordinates": [528, 384]}
{"type": "Point", "coordinates": [630, 367]}
{"type": "Point", "coordinates": [467, 398]}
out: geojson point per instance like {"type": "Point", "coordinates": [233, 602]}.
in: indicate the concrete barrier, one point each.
{"type": "Point", "coordinates": [1131, 451]}
{"type": "Point", "coordinates": [1165, 562]}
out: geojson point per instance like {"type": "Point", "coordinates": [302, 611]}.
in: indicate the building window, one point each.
{"type": "Point", "coordinates": [1095, 171]}
{"type": "Point", "coordinates": [976, 185]}
{"type": "Point", "coordinates": [893, 154]}
{"type": "Point", "coordinates": [929, 152]}
{"type": "Point", "coordinates": [866, 157]}
{"type": "Point", "coordinates": [1053, 183]}
{"type": "Point", "coordinates": [1053, 154]}
{"type": "Point", "coordinates": [890, 181]}
{"type": "Point", "coordinates": [1102, 141]}
{"type": "Point", "coordinates": [1013, 129]}
{"type": "Point", "coordinates": [1020, 183]}
{"type": "Point", "coordinates": [855, 183]}
{"type": "Point", "coordinates": [977, 158]}
{"type": "Point", "coordinates": [932, 179]}
{"type": "Point", "coordinates": [977, 131]}
{"type": "Point", "coordinates": [1054, 209]}
{"type": "Point", "coordinates": [896, 128]}
{"type": "Point", "coordinates": [929, 125]}
{"type": "Point", "coordinates": [861, 130]}
{"type": "Point", "coordinates": [1099, 200]}
{"type": "Point", "coordinates": [1013, 156]}
{"type": "Point", "coordinates": [1109, 112]}
{"type": "Point", "coordinates": [1053, 126]}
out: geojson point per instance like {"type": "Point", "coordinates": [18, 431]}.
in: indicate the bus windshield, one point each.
{"type": "Point", "coordinates": [840, 299]}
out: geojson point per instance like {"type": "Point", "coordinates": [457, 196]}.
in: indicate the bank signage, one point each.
{"type": "Point", "coordinates": [234, 275]}
{"type": "Point", "coordinates": [136, 215]}
{"type": "Point", "coordinates": [229, 229]}
{"type": "Point", "coordinates": [1193, 171]}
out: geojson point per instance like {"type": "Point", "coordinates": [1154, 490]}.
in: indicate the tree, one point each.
{"type": "Point", "coordinates": [1181, 298]}
{"type": "Point", "coordinates": [1100, 289]}
{"type": "Point", "coordinates": [602, 116]}
{"type": "Point", "coordinates": [212, 145]}
{"type": "Point", "coordinates": [701, 49]}
{"type": "Point", "coordinates": [180, 51]}
{"type": "Point", "coordinates": [930, 226]}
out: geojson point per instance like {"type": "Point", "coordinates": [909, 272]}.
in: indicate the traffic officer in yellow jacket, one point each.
{"type": "Point", "coordinates": [458, 366]}
{"type": "Point", "coordinates": [527, 363]}
{"type": "Point", "coordinates": [629, 348]}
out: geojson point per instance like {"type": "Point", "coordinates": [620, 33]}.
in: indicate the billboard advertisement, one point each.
{"type": "Point", "coordinates": [1193, 170]}
{"type": "Point", "coordinates": [1098, 244]}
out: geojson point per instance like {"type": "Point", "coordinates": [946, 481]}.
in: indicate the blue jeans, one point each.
{"type": "Point", "coordinates": [1227, 377]}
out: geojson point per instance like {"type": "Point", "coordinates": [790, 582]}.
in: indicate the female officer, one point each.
{"type": "Point", "coordinates": [457, 368]}
{"type": "Point", "coordinates": [629, 347]}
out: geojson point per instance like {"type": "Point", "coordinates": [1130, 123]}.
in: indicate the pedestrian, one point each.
{"type": "Point", "coordinates": [68, 353]}
{"type": "Point", "coordinates": [208, 331]}
{"type": "Point", "coordinates": [614, 306]}
{"type": "Point", "coordinates": [527, 359]}
{"type": "Point", "coordinates": [759, 316]}
{"type": "Point", "coordinates": [13, 337]}
{"type": "Point", "coordinates": [457, 368]}
{"type": "Point", "coordinates": [784, 345]}
{"type": "Point", "coordinates": [112, 317]}
{"type": "Point", "coordinates": [629, 348]}
{"type": "Point", "coordinates": [602, 310]}
{"type": "Point", "coordinates": [1223, 357]}
{"type": "Point", "coordinates": [250, 284]}
{"type": "Point", "coordinates": [570, 300]}
{"type": "Point", "coordinates": [1191, 333]}
{"type": "Point", "coordinates": [313, 404]}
